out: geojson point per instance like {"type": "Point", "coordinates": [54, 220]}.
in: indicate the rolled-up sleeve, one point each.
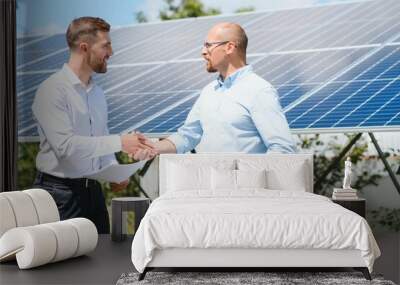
{"type": "Point", "coordinates": [189, 135]}
{"type": "Point", "coordinates": [53, 117]}
{"type": "Point", "coordinates": [271, 122]}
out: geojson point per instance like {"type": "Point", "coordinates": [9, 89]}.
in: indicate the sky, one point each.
{"type": "Point", "coordinates": [53, 16]}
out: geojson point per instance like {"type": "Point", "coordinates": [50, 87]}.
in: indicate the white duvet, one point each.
{"type": "Point", "coordinates": [250, 219]}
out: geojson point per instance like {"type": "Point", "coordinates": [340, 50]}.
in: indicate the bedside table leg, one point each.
{"type": "Point", "coordinates": [116, 226]}
{"type": "Point", "coordinates": [140, 211]}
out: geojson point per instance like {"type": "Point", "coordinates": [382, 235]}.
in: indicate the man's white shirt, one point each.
{"type": "Point", "coordinates": [72, 124]}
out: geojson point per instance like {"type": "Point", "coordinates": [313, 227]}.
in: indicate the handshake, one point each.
{"type": "Point", "coordinates": [138, 146]}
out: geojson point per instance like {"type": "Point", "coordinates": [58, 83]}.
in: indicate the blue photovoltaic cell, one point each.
{"type": "Point", "coordinates": [57, 46]}
{"type": "Point", "coordinates": [289, 93]}
{"type": "Point", "coordinates": [30, 133]}
{"type": "Point", "coordinates": [363, 23]}
{"type": "Point", "coordinates": [346, 90]}
{"type": "Point", "coordinates": [49, 63]}
{"type": "Point", "coordinates": [397, 40]}
{"type": "Point", "coordinates": [167, 77]}
{"type": "Point", "coordinates": [25, 57]}
{"type": "Point", "coordinates": [332, 65]}
{"type": "Point", "coordinates": [118, 75]}
{"type": "Point", "coordinates": [380, 65]}
{"type": "Point", "coordinates": [29, 81]}
{"type": "Point", "coordinates": [25, 40]}
{"type": "Point", "coordinates": [178, 42]}
{"type": "Point", "coordinates": [395, 121]}
{"type": "Point", "coordinates": [285, 30]}
{"type": "Point", "coordinates": [24, 113]}
{"type": "Point", "coordinates": [380, 92]}
{"type": "Point", "coordinates": [352, 99]}
{"type": "Point", "coordinates": [296, 74]}
{"type": "Point", "coordinates": [30, 53]}
{"type": "Point", "coordinates": [128, 109]}
{"type": "Point", "coordinates": [169, 121]}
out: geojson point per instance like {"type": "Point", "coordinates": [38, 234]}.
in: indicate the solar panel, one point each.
{"type": "Point", "coordinates": [285, 30]}
{"type": "Point", "coordinates": [336, 67]}
{"type": "Point", "coordinates": [184, 40]}
{"type": "Point", "coordinates": [352, 98]}
{"type": "Point", "coordinates": [37, 56]}
{"type": "Point", "coordinates": [146, 105]}
{"type": "Point", "coordinates": [30, 81]}
{"type": "Point", "coordinates": [51, 63]}
{"type": "Point", "coordinates": [293, 74]}
{"type": "Point", "coordinates": [25, 40]}
{"type": "Point", "coordinates": [26, 123]}
{"type": "Point", "coordinates": [32, 52]}
{"type": "Point", "coordinates": [170, 121]}
{"type": "Point", "coordinates": [118, 75]}
{"type": "Point", "coordinates": [171, 76]}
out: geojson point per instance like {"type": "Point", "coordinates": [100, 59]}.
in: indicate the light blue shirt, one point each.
{"type": "Point", "coordinates": [72, 125]}
{"type": "Point", "coordinates": [239, 114]}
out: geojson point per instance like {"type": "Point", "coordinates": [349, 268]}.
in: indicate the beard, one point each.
{"type": "Point", "coordinates": [97, 64]}
{"type": "Point", "coordinates": [210, 68]}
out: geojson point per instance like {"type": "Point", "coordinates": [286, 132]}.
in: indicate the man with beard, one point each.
{"type": "Point", "coordinates": [71, 114]}
{"type": "Point", "coordinates": [238, 112]}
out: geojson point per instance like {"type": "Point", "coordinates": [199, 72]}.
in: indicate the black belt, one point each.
{"type": "Point", "coordinates": [83, 182]}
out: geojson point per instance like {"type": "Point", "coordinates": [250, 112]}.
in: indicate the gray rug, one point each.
{"type": "Point", "coordinates": [243, 278]}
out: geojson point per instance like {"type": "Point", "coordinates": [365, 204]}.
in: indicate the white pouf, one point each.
{"type": "Point", "coordinates": [31, 233]}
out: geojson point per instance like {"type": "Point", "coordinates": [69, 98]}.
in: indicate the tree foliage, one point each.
{"type": "Point", "coordinates": [245, 9]}
{"type": "Point", "coordinates": [326, 152]}
{"type": "Point", "coordinates": [26, 165]}
{"type": "Point", "coordinates": [141, 17]}
{"type": "Point", "coordinates": [386, 218]}
{"type": "Point", "coordinates": [185, 9]}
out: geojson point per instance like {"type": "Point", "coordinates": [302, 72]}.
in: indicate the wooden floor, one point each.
{"type": "Point", "coordinates": [111, 259]}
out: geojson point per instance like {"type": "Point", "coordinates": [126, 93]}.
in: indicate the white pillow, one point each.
{"type": "Point", "coordinates": [293, 181]}
{"type": "Point", "coordinates": [251, 178]}
{"type": "Point", "coordinates": [282, 174]}
{"type": "Point", "coordinates": [182, 177]}
{"type": "Point", "coordinates": [223, 179]}
{"type": "Point", "coordinates": [194, 173]}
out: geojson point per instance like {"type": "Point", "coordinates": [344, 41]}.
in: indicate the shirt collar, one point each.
{"type": "Point", "coordinates": [230, 80]}
{"type": "Point", "coordinates": [74, 79]}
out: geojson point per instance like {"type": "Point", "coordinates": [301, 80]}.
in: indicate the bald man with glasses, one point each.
{"type": "Point", "coordinates": [237, 112]}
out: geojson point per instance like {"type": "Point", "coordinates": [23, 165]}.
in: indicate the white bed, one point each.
{"type": "Point", "coordinates": [243, 210]}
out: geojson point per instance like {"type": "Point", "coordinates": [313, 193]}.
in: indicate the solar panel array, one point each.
{"type": "Point", "coordinates": [336, 68]}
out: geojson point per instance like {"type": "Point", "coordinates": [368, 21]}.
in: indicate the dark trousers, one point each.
{"type": "Point", "coordinates": [79, 197]}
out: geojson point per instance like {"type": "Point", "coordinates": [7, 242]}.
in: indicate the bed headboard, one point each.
{"type": "Point", "coordinates": [287, 160]}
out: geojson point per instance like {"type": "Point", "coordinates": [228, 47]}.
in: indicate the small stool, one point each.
{"type": "Point", "coordinates": [138, 205]}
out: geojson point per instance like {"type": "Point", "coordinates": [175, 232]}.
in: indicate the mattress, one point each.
{"type": "Point", "coordinates": [251, 219]}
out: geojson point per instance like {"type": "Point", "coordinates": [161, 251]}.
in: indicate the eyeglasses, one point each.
{"type": "Point", "coordinates": [208, 45]}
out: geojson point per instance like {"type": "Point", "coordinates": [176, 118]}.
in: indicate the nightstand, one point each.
{"type": "Point", "coordinates": [355, 205]}
{"type": "Point", "coordinates": [138, 205]}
